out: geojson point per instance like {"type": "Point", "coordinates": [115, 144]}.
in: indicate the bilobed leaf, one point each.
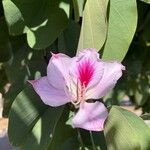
{"type": "Point", "coordinates": [32, 123]}
{"type": "Point", "coordinates": [126, 131]}
{"type": "Point", "coordinates": [121, 29]}
{"type": "Point", "coordinates": [42, 21]}
{"type": "Point", "coordinates": [94, 24]}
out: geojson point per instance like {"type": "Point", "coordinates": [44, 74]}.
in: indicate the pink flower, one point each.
{"type": "Point", "coordinates": [77, 80]}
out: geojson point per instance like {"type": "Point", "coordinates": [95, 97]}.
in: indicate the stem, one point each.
{"type": "Point", "coordinates": [92, 141]}
{"type": "Point", "coordinates": [80, 138]}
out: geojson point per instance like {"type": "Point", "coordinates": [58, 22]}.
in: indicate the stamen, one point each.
{"type": "Point", "coordinates": [77, 94]}
{"type": "Point", "coordinates": [75, 103]}
{"type": "Point", "coordinates": [82, 94]}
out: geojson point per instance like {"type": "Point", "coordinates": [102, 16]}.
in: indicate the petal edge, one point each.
{"type": "Point", "coordinates": [91, 116]}
{"type": "Point", "coordinates": [49, 94]}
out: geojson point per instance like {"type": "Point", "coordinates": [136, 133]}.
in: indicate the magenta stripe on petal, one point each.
{"type": "Point", "coordinates": [86, 71]}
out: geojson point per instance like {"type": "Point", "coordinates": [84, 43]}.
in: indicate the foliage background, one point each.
{"type": "Point", "coordinates": [29, 30]}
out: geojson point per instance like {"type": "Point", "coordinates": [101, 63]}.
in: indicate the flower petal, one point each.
{"type": "Point", "coordinates": [91, 116]}
{"type": "Point", "coordinates": [57, 70]}
{"type": "Point", "coordinates": [88, 53]}
{"type": "Point", "coordinates": [97, 75]}
{"type": "Point", "coordinates": [49, 94]}
{"type": "Point", "coordinates": [84, 68]}
{"type": "Point", "coordinates": [112, 72]}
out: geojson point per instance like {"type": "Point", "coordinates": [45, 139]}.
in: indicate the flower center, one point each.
{"type": "Point", "coordinates": [85, 74]}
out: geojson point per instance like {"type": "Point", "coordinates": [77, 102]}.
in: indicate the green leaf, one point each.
{"type": "Point", "coordinates": [5, 45]}
{"type": "Point", "coordinates": [69, 138]}
{"type": "Point", "coordinates": [31, 123]}
{"type": "Point", "coordinates": [94, 24]}
{"type": "Point", "coordinates": [42, 21]}
{"type": "Point", "coordinates": [81, 6]}
{"type": "Point", "coordinates": [126, 131]}
{"type": "Point", "coordinates": [141, 89]}
{"type": "Point", "coordinates": [26, 64]}
{"type": "Point", "coordinates": [3, 80]}
{"type": "Point", "coordinates": [25, 112]}
{"type": "Point", "coordinates": [70, 144]}
{"type": "Point", "coordinates": [146, 1]}
{"type": "Point", "coordinates": [141, 95]}
{"type": "Point", "coordinates": [78, 9]}
{"type": "Point", "coordinates": [121, 29]}
{"type": "Point", "coordinates": [146, 30]}
{"type": "Point", "coordinates": [98, 139]}
{"type": "Point", "coordinates": [68, 40]}
{"type": "Point", "coordinates": [145, 116]}
{"type": "Point", "coordinates": [43, 132]}
{"type": "Point", "coordinates": [13, 17]}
